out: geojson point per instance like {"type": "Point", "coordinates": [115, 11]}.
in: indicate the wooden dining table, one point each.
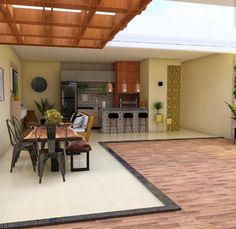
{"type": "Point", "coordinates": [62, 132]}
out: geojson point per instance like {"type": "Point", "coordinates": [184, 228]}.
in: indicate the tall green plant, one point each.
{"type": "Point", "coordinates": [158, 106]}
{"type": "Point", "coordinates": [44, 105]}
{"type": "Point", "coordinates": [234, 91]}
{"type": "Point", "coordinates": [233, 110]}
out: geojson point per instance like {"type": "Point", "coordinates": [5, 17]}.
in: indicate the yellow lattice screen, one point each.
{"type": "Point", "coordinates": [173, 95]}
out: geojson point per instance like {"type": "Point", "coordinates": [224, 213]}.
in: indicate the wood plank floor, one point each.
{"type": "Point", "coordinates": [199, 175]}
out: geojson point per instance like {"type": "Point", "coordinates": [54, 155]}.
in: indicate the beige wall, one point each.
{"type": "Point", "coordinates": [51, 72]}
{"type": "Point", "coordinates": [205, 84]}
{"type": "Point", "coordinates": [152, 71]}
{"type": "Point", "coordinates": [144, 80]}
{"type": "Point", "coordinates": [7, 58]}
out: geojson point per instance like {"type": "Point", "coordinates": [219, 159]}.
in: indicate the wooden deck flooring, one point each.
{"type": "Point", "coordinates": [199, 175]}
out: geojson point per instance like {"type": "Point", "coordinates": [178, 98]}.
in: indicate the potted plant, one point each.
{"type": "Point", "coordinates": [233, 106]}
{"type": "Point", "coordinates": [234, 91]}
{"type": "Point", "coordinates": [233, 110]}
{"type": "Point", "coordinates": [82, 87]}
{"type": "Point", "coordinates": [103, 88]}
{"type": "Point", "coordinates": [43, 106]}
{"type": "Point", "coordinates": [158, 106]}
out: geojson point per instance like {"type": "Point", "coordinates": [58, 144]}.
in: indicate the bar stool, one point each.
{"type": "Point", "coordinates": [128, 117]}
{"type": "Point", "coordinates": [113, 117]}
{"type": "Point", "coordinates": [143, 116]}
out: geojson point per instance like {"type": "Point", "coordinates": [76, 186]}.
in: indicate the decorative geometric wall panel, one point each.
{"type": "Point", "coordinates": [84, 66]}
{"type": "Point", "coordinates": [65, 23]}
{"type": "Point", "coordinates": [173, 95]}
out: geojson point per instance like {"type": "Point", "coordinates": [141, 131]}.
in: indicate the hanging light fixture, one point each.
{"type": "Point", "coordinates": [109, 84]}
{"type": "Point", "coordinates": [137, 87]}
{"type": "Point", "coordinates": [123, 87]}
{"type": "Point", "coordinates": [109, 87]}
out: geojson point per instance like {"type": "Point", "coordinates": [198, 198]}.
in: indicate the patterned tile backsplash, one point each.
{"type": "Point", "coordinates": [93, 97]}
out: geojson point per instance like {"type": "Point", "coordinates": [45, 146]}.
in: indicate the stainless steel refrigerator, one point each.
{"type": "Point", "coordinates": [68, 99]}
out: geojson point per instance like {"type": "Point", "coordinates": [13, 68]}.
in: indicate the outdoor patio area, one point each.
{"type": "Point", "coordinates": [108, 186]}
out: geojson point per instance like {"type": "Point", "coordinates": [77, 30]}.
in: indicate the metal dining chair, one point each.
{"type": "Point", "coordinates": [20, 135]}
{"type": "Point", "coordinates": [53, 151]}
{"type": "Point", "coordinates": [19, 144]}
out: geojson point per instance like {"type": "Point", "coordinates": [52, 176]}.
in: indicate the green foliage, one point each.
{"type": "Point", "coordinates": [234, 91]}
{"type": "Point", "coordinates": [234, 68]}
{"type": "Point", "coordinates": [15, 84]}
{"type": "Point", "coordinates": [158, 106]}
{"type": "Point", "coordinates": [82, 87]}
{"type": "Point", "coordinates": [44, 105]}
{"type": "Point", "coordinates": [103, 88]}
{"type": "Point", "coordinates": [233, 110]}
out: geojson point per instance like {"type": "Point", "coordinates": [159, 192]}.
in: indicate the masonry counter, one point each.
{"type": "Point", "coordinates": [124, 120]}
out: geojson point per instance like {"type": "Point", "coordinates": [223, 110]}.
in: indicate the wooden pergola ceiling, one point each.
{"type": "Point", "coordinates": [65, 23]}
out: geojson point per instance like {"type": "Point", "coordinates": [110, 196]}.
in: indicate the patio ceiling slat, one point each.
{"type": "Point", "coordinates": [52, 21]}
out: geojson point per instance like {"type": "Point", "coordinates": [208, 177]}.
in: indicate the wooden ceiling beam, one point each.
{"type": "Point", "coordinates": [87, 20]}
{"type": "Point", "coordinates": [108, 6]}
{"type": "Point", "coordinates": [7, 12]}
{"type": "Point", "coordinates": [47, 15]}
{"type": "Point", "coordinates": [92, 38]}
{"type": "Point", "coordinates": [48, 27]}
{"type": "Point", "coordinates": [52, 23]}
{"type": "Point", "coordinates": [7, 42]}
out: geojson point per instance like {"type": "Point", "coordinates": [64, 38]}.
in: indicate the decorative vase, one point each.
{"type": "Point", "coordinates": [16, 98]}
{"type": "Point", "coordinates": [169, 122]}
{"type": "Point", "coordinates": [43, 121]}
{"type": "Point", "coordinates": [30, 119]}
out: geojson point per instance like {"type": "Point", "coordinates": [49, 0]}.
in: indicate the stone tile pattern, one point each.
{"type": "Point", "coordinates": [86, 66]}
{"type": "Point", "coordinates": [200, 175]}
{"type": "Point", "coordinates": [173, 95]}
{"type": "Point", "coordinates": [95, 97]}
{"type": "Point", "coordinates": [121, 127]}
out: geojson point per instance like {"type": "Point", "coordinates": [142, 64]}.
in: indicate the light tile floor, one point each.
{"type": "Point", "coordinates": [108, 186]}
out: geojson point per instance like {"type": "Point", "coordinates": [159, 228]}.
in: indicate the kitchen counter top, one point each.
{"type": "Point", "coordinates": [123, 109]}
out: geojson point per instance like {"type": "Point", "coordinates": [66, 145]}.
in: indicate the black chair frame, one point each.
{"type": "Point", "coordinates": [19, 144]}
{"type": "Point", "coordinates": [53, 151]}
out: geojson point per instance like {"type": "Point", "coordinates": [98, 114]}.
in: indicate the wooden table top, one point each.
{"type": "Point", "coordinates": [60, 134]}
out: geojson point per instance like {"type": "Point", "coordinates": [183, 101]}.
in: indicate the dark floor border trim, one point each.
{"type": "Point", "coordinates": [169, 204]}
{"type": "Point", "coordinates": [163, 139]}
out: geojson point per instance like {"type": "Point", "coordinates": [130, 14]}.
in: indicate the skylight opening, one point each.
{"type": "Point", "coordinates": [28, 7]}
{"type": "Point", "coordinates": [46, 8]}
{"type": "Point", "coordinates": [105, 13]}
{"type": "Point", "coordinates": [60, 9]}
{"type": "Point", "coordinates": [207, 26]}
{"type": "Point", "coordinates": [67, 10]}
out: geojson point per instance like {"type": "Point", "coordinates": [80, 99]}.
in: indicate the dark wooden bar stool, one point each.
{"type": "Point", "coordinates": [113, 121]}
{"type": "Point", "coordinates": [143, 116]}
{"type": "Point", "coordinates": [128, 117]}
